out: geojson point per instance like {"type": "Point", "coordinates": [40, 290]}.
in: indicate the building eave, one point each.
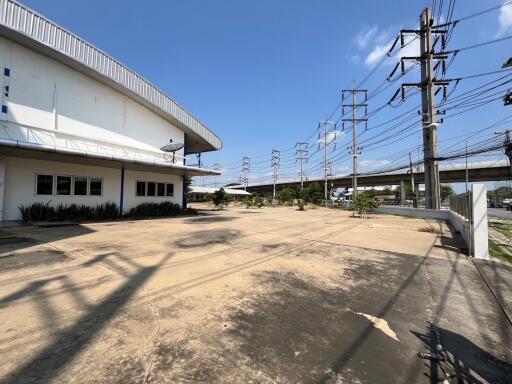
{"type": "Point", "coordinates": [49, 153]}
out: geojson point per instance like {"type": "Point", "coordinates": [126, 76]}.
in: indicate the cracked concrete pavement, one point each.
{"type": "Point", "coordinates": [268, 295]}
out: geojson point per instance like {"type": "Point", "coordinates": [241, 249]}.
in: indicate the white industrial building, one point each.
{"type": "Point", "coordinates": [77, 126]}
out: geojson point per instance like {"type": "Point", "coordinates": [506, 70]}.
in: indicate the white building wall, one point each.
{"type": "Point", "coordinates": [47, 94]}
{"type": "Point", "coordinates": [131, 177]}
{"type": "Point", "coordinates": [20, 185]}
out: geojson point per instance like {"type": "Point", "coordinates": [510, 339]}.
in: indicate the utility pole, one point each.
{"type": "Point", "coordinates": [428, 86]}
{"type": "Point", "coordinates": [325, 123]}
{"type": "Point", "coordinates": [355, 150]}
{"type": "Point", "coordinates": [330, 174]}
{"type": "Point", "coordinates": [432, 187]}
{"type": "Point", "coordinates": [414, 201]}
{"type": "Point", "coordinates": [246, 165]}
{"type": "Point", "coordinates": [275, 165]}
{"type": "Point", "coordinates": [302, 154]}
{"type": "Point", "coordinates": [216, 167]}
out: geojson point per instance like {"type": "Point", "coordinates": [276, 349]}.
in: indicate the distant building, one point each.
{"type": "Point", "coordinates": [196, 193]}
{"type": "Point", "coordinates": [77, 126]}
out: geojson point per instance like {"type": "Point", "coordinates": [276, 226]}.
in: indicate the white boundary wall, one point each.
{"type": "Point", "coordinates": [479, 235]}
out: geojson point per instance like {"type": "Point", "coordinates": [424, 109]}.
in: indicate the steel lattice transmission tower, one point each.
{"type": "Point", "coordinates": [246, 166]}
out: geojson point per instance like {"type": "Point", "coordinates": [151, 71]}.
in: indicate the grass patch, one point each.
{"type": "Point", "coordinates": [497, 252]}
{"type": "Point", "coordinates": [502, 228]}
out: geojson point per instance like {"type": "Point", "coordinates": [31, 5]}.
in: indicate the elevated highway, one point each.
{"type": "Point", "coordinates": [449, 173]}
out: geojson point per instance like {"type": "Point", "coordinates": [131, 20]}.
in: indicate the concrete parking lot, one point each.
{"type": "Point", "coordinates": [268, 295]}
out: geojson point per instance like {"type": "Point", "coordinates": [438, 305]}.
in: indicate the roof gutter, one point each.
{"type": "Point", "coordinates": [65, 151]}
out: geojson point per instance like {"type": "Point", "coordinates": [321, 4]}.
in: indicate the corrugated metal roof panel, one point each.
{"type": "Point", "coordinates": [19, 18]}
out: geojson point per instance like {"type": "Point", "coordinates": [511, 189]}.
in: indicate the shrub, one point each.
{"type": "Point", "coordinates": [106, 211]}
{"type": "Point", "coordinates": [287, 195]}
{"type": "Point", "coordinates": [220, 197]}
{"type": "Point", "coordinates": [300, 205]}
{"type": "Point", "coordinates": [36, 212]}
{"type": "Point", "coordinates": [163, 209]}
{"type": "Point", "coordinates": [363, 205]}
{"type": "Point", "coordinates": [44, 212]}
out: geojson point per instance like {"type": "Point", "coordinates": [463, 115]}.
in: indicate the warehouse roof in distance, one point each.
{"type": "Point", "coordinates": [229, 191]}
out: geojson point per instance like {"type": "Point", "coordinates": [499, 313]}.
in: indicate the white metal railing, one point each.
{"type": "Point", "coordinates": [43, 137]}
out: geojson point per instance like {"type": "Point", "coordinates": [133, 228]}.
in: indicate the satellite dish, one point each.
{"type": "Point", "coordinates": [172, 147]}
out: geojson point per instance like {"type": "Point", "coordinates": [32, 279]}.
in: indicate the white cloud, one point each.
{"type": "Point", "coordinates": [411, 48]}
{"type": "Point", "coordinates": [331, 137]}
{"type": "Point", "coordinates": [377, 53]}
{"type": "Point", "coordinates": [505, 17]}
{"type": "Point", "coordinates": [365, 36]}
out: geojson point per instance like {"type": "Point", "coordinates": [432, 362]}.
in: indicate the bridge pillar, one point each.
{"type": "Point", "coordinates": [403, 192]}
{"type": "Point", "coordinates": [416, 195]}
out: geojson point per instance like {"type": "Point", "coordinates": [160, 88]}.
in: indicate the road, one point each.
{"type": "Point", "coordinates": [500, 213]}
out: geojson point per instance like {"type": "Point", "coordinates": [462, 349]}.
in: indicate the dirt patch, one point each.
{"type": "Point", "coordinates": [31, 259]}
{"type": "Point", "coordinates": [210, 237]}
{"type": "Point", "coordinates": [271, 247]}
{"type": "Point", "coordinates": [431, 229]}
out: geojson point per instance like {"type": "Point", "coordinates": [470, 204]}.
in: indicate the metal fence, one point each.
{"type": "Point", "coordinates": [461, 204]}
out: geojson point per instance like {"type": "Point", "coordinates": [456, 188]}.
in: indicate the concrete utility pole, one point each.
{"type": "Point", "coordinates": [414, 200]}
{"type": "Point", "coordinates": [428, 94]}
{"type": "Point", "coordinates": [325, 123]}
{"type": "Point", "coordinates": [430, 149]}
{"type": "Point", "coordinates": [301, 153]}
{"type": "Point", "coordinates": [355, 150]}
{"type": "Point", "coordinates": [246, 165]}
{"type": "Point", "coordinates": [275, 165]}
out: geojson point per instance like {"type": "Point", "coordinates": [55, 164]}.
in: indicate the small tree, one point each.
{"type": "Point", "coordinates": [286, 195]}
{"type": "Point", "coordinates": [313, 193]}
{"type": "Point", "coordinates": [363, 205]}
{"type": "Point", "coordinates": [220, 197]}
{"type": "Point", "coordinates": [446, 191]}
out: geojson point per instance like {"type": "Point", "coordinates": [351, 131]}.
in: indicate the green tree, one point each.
{"type": "Point", "coordinates": [446, 191]}
{"type": "Point", "coordinates": [499, 194]}
{"type": "Point", "coordinates": [286, 195]}
{"type": "Point", "coordinates": [220, 197]}
{"type": "Point", "coordinates": [369, 193]}
{"type": "Point", "coordinates": [313, 193]}
{"type": "Point", "coordinates": [363, 204]}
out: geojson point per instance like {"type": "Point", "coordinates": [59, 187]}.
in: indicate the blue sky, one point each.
{"type": "Point", "coordinates": [261, 74]}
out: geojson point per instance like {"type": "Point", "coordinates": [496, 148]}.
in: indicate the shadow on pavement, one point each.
{"type": "Point", "coordinates": [68, 343]}
{"type": "Point", "coordinates": [460, 360]}
{"type": "Point", "coordinates": [16, 239]}
{"type": "Point", "coordinates": [207, 219]}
